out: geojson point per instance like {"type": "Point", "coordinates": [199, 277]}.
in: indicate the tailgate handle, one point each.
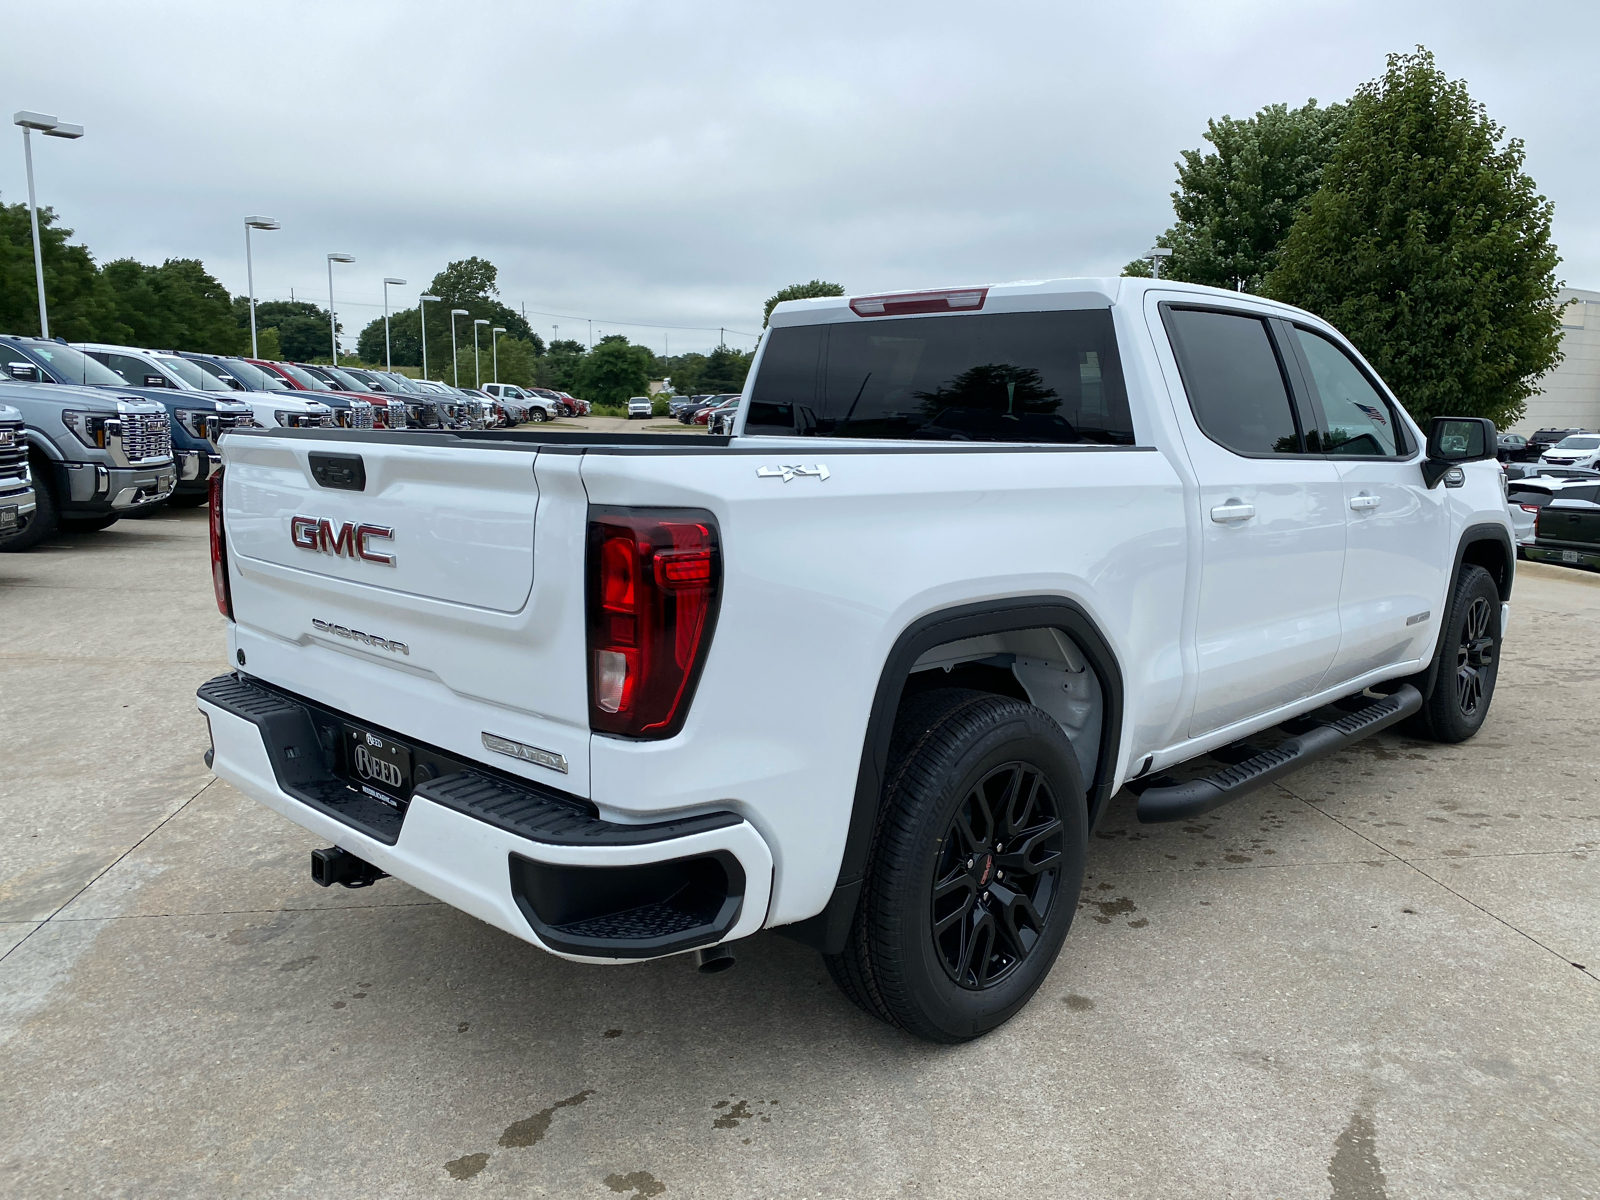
{"type": "Point", "coordinates": [343, 472]}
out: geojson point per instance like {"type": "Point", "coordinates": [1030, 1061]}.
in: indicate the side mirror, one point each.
{"type": "Point", "coordinates": [1456, 440]}
{"type": "Point", "coordinates": [155, 381]}
{"type": "Point", "coordinates": [25, 371]}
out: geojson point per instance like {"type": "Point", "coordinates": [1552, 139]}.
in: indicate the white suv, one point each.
{"type": "Point", "coordinates": [640, 406]}
{"type": "Point", "coordinates": [1574, 450]}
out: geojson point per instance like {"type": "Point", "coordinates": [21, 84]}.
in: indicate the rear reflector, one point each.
{"type": "Point", "coordinates": [219, 549]}
{"type": "Point", "coordinates": [654, 583]}
{"type": "Point", "coordinates": [906, 304]}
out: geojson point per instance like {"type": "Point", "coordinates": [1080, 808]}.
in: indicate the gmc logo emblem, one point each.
{"type": "Point", "coordinates": [348, 540]}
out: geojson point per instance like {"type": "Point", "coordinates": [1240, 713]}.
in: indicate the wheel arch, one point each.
{"type": "Point", "coordinates": [1487, 545]}
{"type": "Point", "coordinates": [827, 930]}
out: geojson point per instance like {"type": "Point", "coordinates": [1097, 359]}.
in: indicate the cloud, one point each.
{"type": "Point", "coordinates": [673, 165]}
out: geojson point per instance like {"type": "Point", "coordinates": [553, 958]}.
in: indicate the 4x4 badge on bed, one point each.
{"type": "Point", "coordinates": [787, 473]}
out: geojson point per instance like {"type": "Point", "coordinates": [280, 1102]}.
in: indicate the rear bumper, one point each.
{"type": "Point", "coordinates": [1572, 556]}
{"type": "Point", "coordinates": [535, 864]}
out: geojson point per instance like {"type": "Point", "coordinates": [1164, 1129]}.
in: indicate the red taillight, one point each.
{"type": "Point", "coordinates": [654, 582]}
{"type": "Point", "coordinates": [219, 550]}
{"type": "Point", "coordinates": [907, 304]}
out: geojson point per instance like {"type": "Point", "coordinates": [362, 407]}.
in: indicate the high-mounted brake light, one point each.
{"type": "Point", "coordinates": [906, 304]}
{"type": "Point", "coordinates": [219, 549]}
{"type": "Point", "coordinates": [654, 583]}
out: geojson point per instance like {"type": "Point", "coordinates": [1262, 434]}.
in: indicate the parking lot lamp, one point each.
{"type": "Point", "coordinates": [477, 375]}
{"type": "Point", "coordinates": [455, 366]}
{"type": "Point", "coordinates": [333, 321]}
{"type": "Point", "coordinates": [1155, 255]}
{"type": "Point", "coordinates": [388, 361]}
{"type": "Point", "coordinates": [250, 273]}
{"type": "Point", "coordinates": [494, 343]}
{"type": "Point", "coordinates": [422, 308]}
{"type": "Point", "coordinates": [50, 127]}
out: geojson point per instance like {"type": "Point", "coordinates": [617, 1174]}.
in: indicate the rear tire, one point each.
{"type": "Point", "coordinates": [44, 521]}
{"type": "Point", "coordinates": [1469, 662]}
{"type": "Point", "coordinates": [975, 869]}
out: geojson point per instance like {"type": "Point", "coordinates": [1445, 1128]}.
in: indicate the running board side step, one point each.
{"type": "Point", "coordinates": [1182, 800]}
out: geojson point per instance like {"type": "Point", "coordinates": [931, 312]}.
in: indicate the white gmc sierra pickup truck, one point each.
{"type": "Point", "coordinates": [870, 669]}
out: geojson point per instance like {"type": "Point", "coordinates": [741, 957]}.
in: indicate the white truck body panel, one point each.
{"type": "Point", "coordinates": [1220, 627]}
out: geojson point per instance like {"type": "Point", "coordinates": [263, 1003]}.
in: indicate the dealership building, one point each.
{"type": "Point", "coordinates": [1569, 396]}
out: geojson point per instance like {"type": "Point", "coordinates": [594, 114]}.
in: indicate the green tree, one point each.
{"type": "Point", "coordinates": [799, 291]}
{"type": "Point", "coordinates": [176, 306]}
{"type": "Point", "coordinates": [1236, 204]}
{"type": "Point", "coordinates": [560, 368]}
{"type": "Point", "coordinates": [81, 305]}
{"type": "Point", "coordinates": [685, 371]}
{"type": "Point", "coordinates": [302, 326]}
{"type": "Point", "coordinates": [613, 371]}
{"type": "Point", "coordinates": [1430, 248]}
{"type": "Point", "coordinates": [725, 370]}
{"type": "Point", "coordinates": [267, 340]}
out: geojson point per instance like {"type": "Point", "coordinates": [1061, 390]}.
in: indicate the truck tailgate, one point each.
{"type": "Point", "coordinates": [456, 625]}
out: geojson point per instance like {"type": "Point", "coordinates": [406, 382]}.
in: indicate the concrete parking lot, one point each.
{"type": "Point", "coordinates": [1378, 980]}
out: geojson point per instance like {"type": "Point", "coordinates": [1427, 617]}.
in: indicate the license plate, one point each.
{"type": "Point", "coordinates": [8, 518]}
{"type": "Point", "coordinates": [378, 763]}
{"type": "Point", "coordinates": [1571, 556]}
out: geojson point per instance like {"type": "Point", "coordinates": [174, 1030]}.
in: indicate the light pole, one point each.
{"type": "Point", "coordinates": [455, 369]}
{"type": "Point", "coordinates": [250, 273]}
{"type": "Point", "coordinates": [494, 342]}
{"type": "Point", "coordinates": [422, 309]}
{"type": "Point", "coordinates": [591, 333]}
{"type": "Point", "coordinates": [477, 378]}
{"type": "Point", "coordinates": [50, 127]}
{"type": "Point", "coordinates": [333, 321]}
{"type": "Point", "coordinates": [1155, 255]}
{"type": "Point", "coordinates": [388, 360]}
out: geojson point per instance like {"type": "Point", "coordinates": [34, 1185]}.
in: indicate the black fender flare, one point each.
{"type": "Point", "coordinates": [1472, 535]}
{"type": "Point", "coordinates": [828, 929]}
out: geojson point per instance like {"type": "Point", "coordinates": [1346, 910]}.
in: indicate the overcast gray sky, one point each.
{"type": "Point", "coordinates": [674, 164]}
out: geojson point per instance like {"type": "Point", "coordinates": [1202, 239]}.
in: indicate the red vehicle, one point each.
{"type": "Point", "coordinates": [703, 417]}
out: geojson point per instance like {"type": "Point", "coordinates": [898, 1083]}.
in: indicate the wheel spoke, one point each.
{"type": "Point", "coordinates": [995, 875]}
{"type": "Point", "coordinates": [1030, 853]}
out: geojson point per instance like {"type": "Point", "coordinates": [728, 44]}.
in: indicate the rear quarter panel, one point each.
{"type": "Point", "coordinates": [822, 576]}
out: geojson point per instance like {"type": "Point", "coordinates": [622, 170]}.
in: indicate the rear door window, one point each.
{"type": "Point", "coordinates": [1051, 377]}
{"type": "Point", "coordinates": [1235, 383]}
{"type": "Point", "coordinates": [1357, 420]}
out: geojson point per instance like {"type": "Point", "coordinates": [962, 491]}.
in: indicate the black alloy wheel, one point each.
{"type": "Point", "coordinates": [995, 879]}
{"type": "Point", "coordinates": [1475, 656]}
{"type": "Point", "coordinates": [1468, 662]}
{"type": "Point", "coordinates": [974, 873]}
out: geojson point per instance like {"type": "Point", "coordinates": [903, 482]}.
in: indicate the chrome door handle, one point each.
{"type": "Point", "coordinates": [1233, 510]}
{"type": "Point", "coordinates": [1364, 502]}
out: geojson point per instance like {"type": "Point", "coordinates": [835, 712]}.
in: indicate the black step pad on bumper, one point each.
{"type": "Point", "coordinates": [1183, 800]}
{"type": "Point", "coordinates": [527, 813]}
{"type": "Point", "coordinates": [306, 767]}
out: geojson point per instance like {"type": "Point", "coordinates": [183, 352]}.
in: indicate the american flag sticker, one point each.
{"type": "Point", "coordinates": [1375, 415]}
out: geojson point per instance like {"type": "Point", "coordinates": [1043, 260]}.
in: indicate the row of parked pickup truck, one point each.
{"type": "Point", "coordinates": [96, 432]}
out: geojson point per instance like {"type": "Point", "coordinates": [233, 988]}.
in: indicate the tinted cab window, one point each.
{"type": "Point", "coordinates": [1234, 379]}
{"type": "Point", "coordinates": [996, 377]}
{"type": "Point", "coordinates": [1356, 419]}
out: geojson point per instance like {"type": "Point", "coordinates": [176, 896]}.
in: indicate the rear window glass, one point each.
{"type": "Point", "coordinates": [1000, 377]}
{"type": "Point", "coordinates": [1236, 387]}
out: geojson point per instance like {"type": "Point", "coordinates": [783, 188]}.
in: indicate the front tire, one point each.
{"type": "Point", "coordinates": [42, 523]}
{"type": "Point", "coordinates": [975, 869]}
{"type": "Point", "coordinates": [1469, 661]}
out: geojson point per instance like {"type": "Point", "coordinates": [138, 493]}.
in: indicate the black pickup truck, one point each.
{"type": "Point", "coordinates": [1567, 531]}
